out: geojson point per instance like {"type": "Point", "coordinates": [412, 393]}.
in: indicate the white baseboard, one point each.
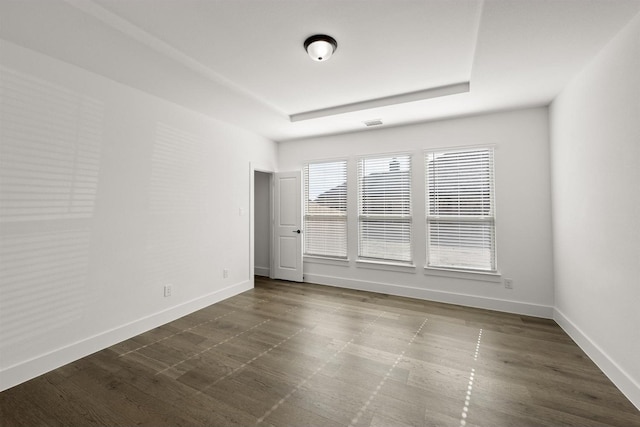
{"type": "Point", "coordinates": [627, 385]}
{"type": "Point", "coordinates": [261, 271]}
{"type": "Point", "coordinates": [527, 309]}
{"type": "Point", "coordinates": [24, 371]}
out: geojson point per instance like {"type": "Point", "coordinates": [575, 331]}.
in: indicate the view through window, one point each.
{"type": "Point", "coordinates": [384, 208]}
{"type": "Point", "coordinates": [325, 209]}
{"type": "Point", "coordinates": [460, 209]}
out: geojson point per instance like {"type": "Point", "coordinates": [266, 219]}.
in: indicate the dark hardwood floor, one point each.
{"type": "Point", "coordinates": [288, 354]}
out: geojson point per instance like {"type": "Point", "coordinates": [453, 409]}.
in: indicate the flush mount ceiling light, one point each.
{"type": "Point", "coordinates": [320, 47]}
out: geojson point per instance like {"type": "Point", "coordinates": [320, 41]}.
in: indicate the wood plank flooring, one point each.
{"type": "Point", "coordinates": [288, 354]}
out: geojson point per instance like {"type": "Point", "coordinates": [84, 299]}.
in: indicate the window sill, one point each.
{"type": "Point", "coordinates": [314, 259]}
{"type": "Point", "coordinates": [387, 266]}
{"type": "Point", "coordinates": [464, 274]}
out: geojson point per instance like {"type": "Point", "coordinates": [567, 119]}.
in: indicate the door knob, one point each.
{"type": "Point", "coordinates": [296, 231]}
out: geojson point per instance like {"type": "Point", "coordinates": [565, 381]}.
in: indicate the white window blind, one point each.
{"type": "Point", "coordinates": [325, 209]}
{"type": "Point", "coordinates": [384, 208]}
{"type": "Point", "coordinates": [460, 209]}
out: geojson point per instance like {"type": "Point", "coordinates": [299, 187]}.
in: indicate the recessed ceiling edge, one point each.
{"type": "Point", "coordinates": [402, 98]}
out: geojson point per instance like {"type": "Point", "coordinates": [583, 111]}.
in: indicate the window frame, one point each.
{"type": "Point", "coordinates": [306, 216]}
{"type": "Point", "coordinates": [365, 260]}
{"type": "Point", "coordinates": [489, 219]}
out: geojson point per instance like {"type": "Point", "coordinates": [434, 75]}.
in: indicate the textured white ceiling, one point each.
{"type": "Point", "coordinates": [242, 61]}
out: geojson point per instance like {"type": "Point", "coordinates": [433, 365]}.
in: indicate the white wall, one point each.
{"type": "Point", "coordinates": [107, 194]}
{"type": "Point", "coordinates": [595, 134]}
{"type": "Point", "coordinates": [262, 242]}
{"type": "Point", "coordinates": [524, 244]}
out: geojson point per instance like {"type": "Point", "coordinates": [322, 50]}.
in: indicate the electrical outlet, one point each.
{"type": "Point", "coordinates": [167, 290]}
{"type": "Point", "coordinates": [508, 283]}
{"type": "Point", "coordinates": [225, 273]}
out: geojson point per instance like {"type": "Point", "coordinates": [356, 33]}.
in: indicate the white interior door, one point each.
{"type": "Point", "coordinates": [287, 227]}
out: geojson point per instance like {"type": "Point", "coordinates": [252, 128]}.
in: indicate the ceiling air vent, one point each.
{"type": "Point", "coordinates": [374, 122]}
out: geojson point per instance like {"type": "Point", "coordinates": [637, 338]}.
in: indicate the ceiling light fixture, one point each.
{"type": "Point", "coordinates": [320, 47]}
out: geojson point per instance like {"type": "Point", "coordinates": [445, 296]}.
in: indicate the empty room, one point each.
{"type": "Point", "coordinates": [320, 213]}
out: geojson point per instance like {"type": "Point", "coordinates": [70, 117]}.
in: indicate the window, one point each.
{"type": "Point", "coordinates": [384, 208]}
{"type": "Point", "coordinates": [460, 209]}
{"type": "Point", "coordinates": [325, 209]}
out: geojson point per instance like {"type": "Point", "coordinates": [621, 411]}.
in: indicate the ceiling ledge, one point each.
{"type": "Point", "coordinates": [402, 98]}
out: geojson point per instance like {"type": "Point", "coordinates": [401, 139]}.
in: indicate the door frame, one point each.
{"type": "Point", "coordinates": [253, 168]}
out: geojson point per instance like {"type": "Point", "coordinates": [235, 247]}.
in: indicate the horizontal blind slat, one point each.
{"type": "Point", "coordinates": [325, 209]}
{"type": "Point", "coordinates": [384, 208]}
{"type": "Point", "coordinates": [460, 209]}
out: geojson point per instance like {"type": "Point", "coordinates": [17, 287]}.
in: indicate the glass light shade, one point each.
{"type": "Point", "coordinates": [320, 47]}
{"type": "Point", "coordinates": [320, 50]}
